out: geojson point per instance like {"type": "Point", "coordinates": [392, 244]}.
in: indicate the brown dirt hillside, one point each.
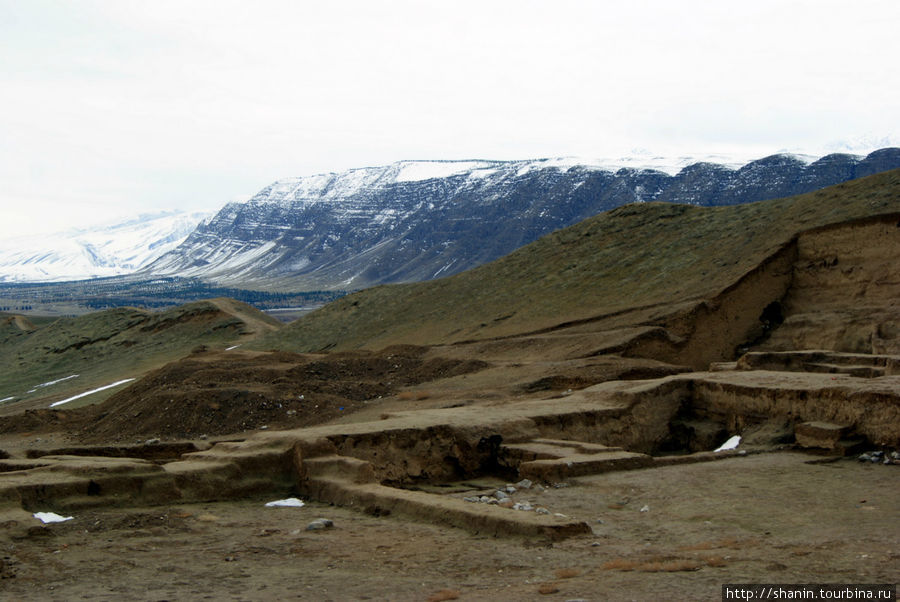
{"type": "Point", "coordinates": [229, 392]}
{"type": "Point", "coordinates": [637, 256]}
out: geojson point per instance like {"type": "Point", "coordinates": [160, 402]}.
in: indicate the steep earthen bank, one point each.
{"type": "Point", "coordinates": [845, 293]}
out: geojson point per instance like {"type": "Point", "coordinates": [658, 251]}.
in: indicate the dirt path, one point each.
{"type": "Point", "coordinates": [255, 320]}
{"type": "Point", "coordinates": [738, 520]}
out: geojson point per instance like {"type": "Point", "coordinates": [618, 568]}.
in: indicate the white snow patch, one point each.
{"type": "Point", "coordinates": [52, 382]}
{"type": "Point", "coordinates": [480, 173]}
{"type": "Point", "coordinates": [232, 347]}
{"type": "Point", "coordinates": [290, 502]}
{"type": "Point", "coordinates": [51, 517]}
{"type": "Point", "coordinates": [416, 171]}
{"type": "Point", "coordinates": [7, 399]}
{"type": "Point", "coordinates": [732, 443]}
{"type": "Point", "coordinates": [86, 393]}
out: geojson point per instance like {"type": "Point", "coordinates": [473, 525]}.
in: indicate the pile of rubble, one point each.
{"type": "Point", "coordinates": [503, 497]}
{"type": "Point", "coordinates": [880, 457]}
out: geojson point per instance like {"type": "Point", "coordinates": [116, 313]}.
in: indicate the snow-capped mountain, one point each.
{"type": "Point", "coordinates": [418, 220]}
{"type": "Point", "coordinates": [106, 250]}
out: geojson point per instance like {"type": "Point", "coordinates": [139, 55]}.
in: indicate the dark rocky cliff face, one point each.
{"type": "Point", "coordinates": [370, 226]}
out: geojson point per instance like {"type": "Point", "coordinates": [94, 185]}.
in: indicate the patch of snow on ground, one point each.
{"type": "Point", "coordinates": [732, 443]}
{"type": "Point", "coordinates": [51, 517]}
{"type": "Point", "coordinates": [290, 502]}
{"type": "Point", "coordinates": [53, 382]}
{"type": "Point", "coordinates": [7, 399]}
{"type": "Point", "coordinates": [86, 393]}
{"type": "Point", "coordinates": [416, 171]}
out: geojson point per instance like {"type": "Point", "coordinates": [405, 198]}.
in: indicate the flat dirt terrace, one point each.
{"type": "Point", "coordinates": [737, 520]}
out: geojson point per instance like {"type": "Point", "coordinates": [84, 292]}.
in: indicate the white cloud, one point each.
{"type": "Point", "coordinates": [115, 104]}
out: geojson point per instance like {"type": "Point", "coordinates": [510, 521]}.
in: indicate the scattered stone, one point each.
{"type": "Point", "coordinates": [507, 503]}
{"type": "Point", "coordinates": [524, 484]}
{"type": "Point", "coordinates": [510, 489]}
{"type": "Point", "coordinates": [494, 501]}
{"type": "Point", "coordinates": [485, 499]}
{"type": "Point", "coordinates": [320, 524]}
{"type": "Point", "coordinates": [523, 506]}
{"type": "Point", "coordinates": [153, 441]}
{"type": "Point", "coordinates": [645, 508]}
{"type": "Point", "coordinates": [560, 485]}
{"type": "Point", "coordinates": [877, 457]}
{"type": "Point", "coordinates": [541, 511]}
{"type": "Point", "coordinates": [500, 494]}
{"type": "Point", "coordinates": [473, 499]}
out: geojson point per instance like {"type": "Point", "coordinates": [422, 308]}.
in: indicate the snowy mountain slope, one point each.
{"type": "Point", "coordinates": [100, 251]}
{"type": "Point", "coordinates": [418, 220]}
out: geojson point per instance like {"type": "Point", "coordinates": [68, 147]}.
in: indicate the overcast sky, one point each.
{"type": "Point", "coordinates": [119, 107]}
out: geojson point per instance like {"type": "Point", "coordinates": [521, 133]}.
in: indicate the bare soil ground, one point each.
{"type": "Point", "coordinates": [744, 519]}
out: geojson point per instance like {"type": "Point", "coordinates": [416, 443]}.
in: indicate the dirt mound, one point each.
{"type": "Point", "coordinates": [231, 392]}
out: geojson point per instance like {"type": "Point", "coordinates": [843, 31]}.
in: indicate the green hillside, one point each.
{"type": "Point", "coordinates": [111, 345]}
{"type": "Point", "coordinates": [635, 256]}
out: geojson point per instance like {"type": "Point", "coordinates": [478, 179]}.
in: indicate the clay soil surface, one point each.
{"type": "Point", "coordinates": [739, 520]}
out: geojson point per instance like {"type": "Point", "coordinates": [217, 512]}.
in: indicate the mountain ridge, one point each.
{"type": "Point", "coordinates": [119, 248]}
{"type": "Point", "coordinates": [373, 226]}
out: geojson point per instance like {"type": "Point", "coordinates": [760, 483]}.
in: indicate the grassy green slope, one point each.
{"type": "Point", "coordinates": [634, 256]}
{"type": "Point", "coordinates": [107, 346]}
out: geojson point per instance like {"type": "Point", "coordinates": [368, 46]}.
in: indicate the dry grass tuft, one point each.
{"type": "Point", "coordinates": [548, 588]}
{"type": "Point", "coordinates": [715, 561]}
{"type": "Point", "coordinates": [444, 594]}
{"type": "Point", "coordinates": [566, 573]}
{"type": "Point", "coordinates": [658, 565]}
{"type": "Point", "coordinates": [731, 543]}
{"type": "Point", "coordinates": [620, 564]}
{"type": "Point", "coordinates": [413, 395]}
